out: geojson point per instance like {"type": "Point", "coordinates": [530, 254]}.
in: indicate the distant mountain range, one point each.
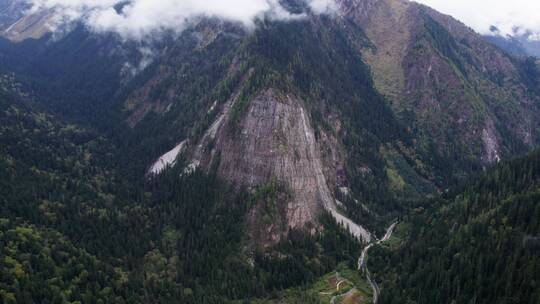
{"type": "Point", "coordinates": [521, 43]}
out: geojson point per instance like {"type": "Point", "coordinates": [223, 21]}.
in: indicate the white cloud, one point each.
{"type": "Point", "coordinates": [143, 18]}
{"type": "Point", "coordinates": [507, 15]}
{"type": "Point", "coordinates": [323, 6]}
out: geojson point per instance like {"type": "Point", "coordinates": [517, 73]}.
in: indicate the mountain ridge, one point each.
{"type": "Point", "coordinates": [446, 94]}
{"type": "Point", "coordinates": [243, 162]}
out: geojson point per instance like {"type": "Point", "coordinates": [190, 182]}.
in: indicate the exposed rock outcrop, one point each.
{"type": "Point", "coordinates": [275, 141]}
{"type": "Point", "coordinates": [168, 159]}
{"type": "Point", "coordinates": [16, 24]}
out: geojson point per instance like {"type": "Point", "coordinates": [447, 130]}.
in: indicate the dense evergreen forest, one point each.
{"type": "Point", "coordinates": [81, 222]}
{"type": "Point", "coordinates": [73, 230]}
{"type": "Point", "coordinates": [479, 243]}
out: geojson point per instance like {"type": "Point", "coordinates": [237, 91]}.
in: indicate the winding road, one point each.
{"type": "Point", "coordinates": [334, 298]}
{"type": "Point", "coordinates": [362, 264]}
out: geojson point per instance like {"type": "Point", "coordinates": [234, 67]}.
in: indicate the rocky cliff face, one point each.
{"type": "Point", "coordinates": [275, 143]}
{"type": "Point", "coordinates": [17, 25]}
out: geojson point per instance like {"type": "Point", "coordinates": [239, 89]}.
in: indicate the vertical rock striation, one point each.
{"type": "Point", "coordinates": [275, 141]}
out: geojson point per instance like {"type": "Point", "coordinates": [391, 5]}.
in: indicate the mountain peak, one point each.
{"type": "Point", "coordinates": [205, 152]}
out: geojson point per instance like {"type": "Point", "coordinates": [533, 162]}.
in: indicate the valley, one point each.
{"type": "Point", "coordinates": [218, 155]}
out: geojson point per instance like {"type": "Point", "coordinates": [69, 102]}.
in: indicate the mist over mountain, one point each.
{"type": "Point", "coordinates": [509, 17]}
{"type": "Point", "coordinates": [140, 19]}
{"type": "Point", "coordinates": [521, 43]}
{"type": "Point", "coordinates": [263, 151]}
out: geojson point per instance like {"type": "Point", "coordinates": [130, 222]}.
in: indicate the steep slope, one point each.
{"type": "Point", "coordinates": [59, 175]}
{"type": "Point", "coordinates": [351, 112]}
{"type": "Point", "coordinates": [465, 100]}
{"type": "Point", "coordinates": [10, 12]}
{"type": "Point", "coordinates": [76, 75]}
{"type": "Point", "coordinates": [75, 227]}
{"type": "Point", "coordinates": [270, 124]}
{"type": "Point", "coordinates": [453, 109]}
{"type": "Point", "coordinates": [213, 165]}
{"type": "Point", "coordinates": [57, 192]}
{"type": "Point", "coordinates": [509, 44]}
{"type": "Point", "coordinates": [461, 104]}
{"type": "Point", "coordinates": [16, 25]}
{"type": "Point", "coordinates": [478, 242]}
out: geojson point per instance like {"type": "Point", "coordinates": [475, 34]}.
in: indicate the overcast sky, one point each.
{"type": "Point", "coordinates": [143, 18]}
{"type": "Point", "coordinates": [481, 14]}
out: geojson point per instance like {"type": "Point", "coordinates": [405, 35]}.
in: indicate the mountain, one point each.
{"type": "Point", "coordinates": [213, 164]}
{"type": "Point", "coordinates": [76, 228]}
{"type": "Point", "coordinates": [443, 102]}
{"type": "Point", "coordinates": [521, 43]}
{"type": "Point", "coordinates": [472, 99]}
{"type": "Point", "coordinates": [17, 25]}
{"type": "Point", "coordinates": [509, 44]}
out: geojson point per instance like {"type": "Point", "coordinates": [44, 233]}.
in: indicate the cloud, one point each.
{"type": "Point", "coordinates": [138, 19]}
{"type": "Point", "coordinates": [509, 16]}
{"type": "Point", "coordinates": [323, 6]}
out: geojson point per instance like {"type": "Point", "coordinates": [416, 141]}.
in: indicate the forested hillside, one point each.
{"type": "Point", "coordinates": [231, 160]}
{"type": "Point", "coordinates": [73, 230]}
{"type": "Point", "coordinates": [479, 242]}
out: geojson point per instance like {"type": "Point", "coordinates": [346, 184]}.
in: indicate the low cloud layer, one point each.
{"type": "Point", "coordinates": [143, 18]}
{"type": "Point", "coordinates": [508, 16]}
